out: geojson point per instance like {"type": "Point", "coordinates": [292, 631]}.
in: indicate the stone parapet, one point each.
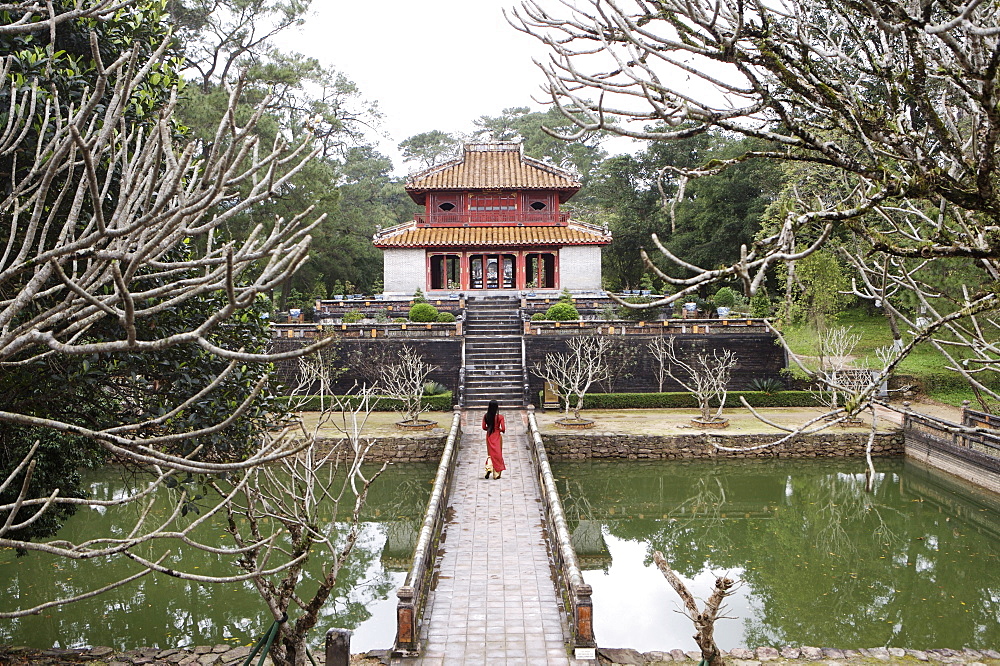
{"type": "Point", "coordinates": [617, 446]}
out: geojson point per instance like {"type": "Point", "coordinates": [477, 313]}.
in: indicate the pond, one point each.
{"type": "Point", "coordinates": [915, 564]}
{"type": "Point", "coordinates": [161, 611]}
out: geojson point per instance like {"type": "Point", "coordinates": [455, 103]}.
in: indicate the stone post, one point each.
{"type": "Point", "coordinates": [584, 620]}
{"type": "Point", "coordinates": [338, 647]}
{"type": "Point", "coordinates": [405, 620]}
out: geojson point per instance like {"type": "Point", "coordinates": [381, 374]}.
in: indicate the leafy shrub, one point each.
{"type": "Point", "coordinates": [760, 304]}
{"type": "Point", "coordinates": [565, 296]}
{"type": "Point", "coordinates": [538, 316]}
{"type": "Point", "coordinates": [423, 312]}
{"type": "Point", "coordinates": [353, 316]}
{"type": "Point", "coordinates": [400, 320]}
{"type": "Point", "coordinates": [418, 296]}
{"type": "Point", "coordinates": [687, 401]}
{"type": "Point", "coordinates": [434, 388]}
{"type": "Point", "coordinates": [767, 385]}
{"type": "Point", "coordinates": [562, 312]}
{"type": "Point", "coordinates": [724, 298]}
{"type": "Point", "coordinates": [445, 317]}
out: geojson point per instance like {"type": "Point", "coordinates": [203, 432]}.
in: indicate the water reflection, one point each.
{"type": "Point", "coordinates": [914, 564]}
{"type": "Point", "coordinates": [160, 611]}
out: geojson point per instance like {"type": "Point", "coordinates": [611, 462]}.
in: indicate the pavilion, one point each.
{"type": "Point", "coordinates": [492, 225]}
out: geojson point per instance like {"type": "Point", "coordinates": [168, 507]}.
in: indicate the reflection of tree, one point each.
{"type": "Point", "coordinates": [823, 562]}
{"type": "Point", "coordinates": [166, 612]}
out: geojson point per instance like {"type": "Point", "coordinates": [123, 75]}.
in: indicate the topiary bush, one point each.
{"type": "Point", "coordinates": [538, 316]}
{"type": "Point", "coordinates": [562, 312]}
{"type": "Point", "coordinates": [423, 312]}
{"type": "Point", "coordinates": [352, 317]}
{"type": "Point", "coordinates": [724, 298]}
{"type": "Point", "coordinates": [445, 317]}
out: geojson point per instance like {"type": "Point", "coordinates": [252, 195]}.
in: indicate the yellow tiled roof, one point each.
{"type": "Point", "coordinates": [492, 166]}
{"type": "Point", "coordinates": [410, 235]}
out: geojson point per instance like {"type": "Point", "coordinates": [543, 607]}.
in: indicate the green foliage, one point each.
{"type": "Point", "coordinates": [566, 297]}
{"type": "Point", "coordinates": [760, 304]}
{"type": "Point", "coordinates": [423, 312]}
{"type": "Point", "coordinates": [562, 312]}
{"type": "Point", "coordinates": [538, 316]}
{"type": "Point", "coordinates": [430, 148]}
{"type": "Point", "coordinates": [399, 320]}
{"type": "Point", "coordinates": [724, 298]}
{"type": "Point", "coordinates": [445, 317]}
{"type": "Point", "coordinates": [435, 388]}
{"type": "Point", "coordinates": [717, 215]}
{"type": "Point", "coordinates": [767, 385]}
{"type": "Point", "coordinates": [688, 401]}
{"type": "Point", "coordinates": [353, 316]}
{"type": "Point", "coordinates": [418, 296]}
{"type": "Point", "coordinates": [436, 403]}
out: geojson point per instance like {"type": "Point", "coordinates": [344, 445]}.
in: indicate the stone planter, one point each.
{"type": "Point", "coordinates": [576, 424]}
{"type": "Point", "coordinates": [419, 424]}
{"type": "Point", "coordinates": [697, 422]}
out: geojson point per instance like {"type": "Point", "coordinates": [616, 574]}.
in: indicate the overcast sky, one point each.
{"type": "Point", "coordinates": [433, 65]}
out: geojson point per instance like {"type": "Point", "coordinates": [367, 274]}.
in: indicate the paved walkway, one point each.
{"type": "Point", "coordinates": [495, 602]}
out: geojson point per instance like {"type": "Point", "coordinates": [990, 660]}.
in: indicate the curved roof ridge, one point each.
{"type": "Point", "coordinates": [492, 166]}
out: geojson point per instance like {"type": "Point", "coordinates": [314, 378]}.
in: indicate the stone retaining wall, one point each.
{"type": "Point", "coordinates": [748, 657]}
{"type": "Point", "coordinates": [616, 446]}
{"type": "Point", "coordinates": [423, 447]}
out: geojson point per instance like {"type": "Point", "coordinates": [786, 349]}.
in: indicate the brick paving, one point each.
{"type": "Point", "coordinates": [494, 602]}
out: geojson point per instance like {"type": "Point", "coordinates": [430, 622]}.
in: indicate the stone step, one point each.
{"type": "Point", "coordinates": [485, 351]}
{"type": "Point", "coordinates": [493, 380]}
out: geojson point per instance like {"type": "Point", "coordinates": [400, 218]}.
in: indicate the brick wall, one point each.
{"type": "Point", "coordinates": [757, 356]}
{"type": "Point", "coordinates": [445, 353]}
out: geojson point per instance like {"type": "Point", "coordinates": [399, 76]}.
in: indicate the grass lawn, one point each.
{"type": "Point", "coordinates": [924, 363]}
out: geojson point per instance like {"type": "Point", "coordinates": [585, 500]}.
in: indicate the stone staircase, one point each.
{"type": "Point", "coordinates": [493, 368]}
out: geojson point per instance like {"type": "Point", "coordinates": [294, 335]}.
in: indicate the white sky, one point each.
{"type": "Point", "coordinates": [431, 65]}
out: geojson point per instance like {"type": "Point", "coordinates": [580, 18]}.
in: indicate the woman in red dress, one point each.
{"type": "Point", "coordinates": [494, 425]}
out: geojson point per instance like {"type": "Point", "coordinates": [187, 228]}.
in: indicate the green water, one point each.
{"type": "Point", "coordinates": [161, 611]}
{"type": "Point", "coordinates": [915, 564]}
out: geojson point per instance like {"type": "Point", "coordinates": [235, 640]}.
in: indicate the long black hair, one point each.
{"type": "Point", "coordinates": [491, 416]}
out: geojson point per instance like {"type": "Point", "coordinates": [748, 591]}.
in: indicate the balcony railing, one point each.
{"type": "Point", "coordinates": [494, 216]}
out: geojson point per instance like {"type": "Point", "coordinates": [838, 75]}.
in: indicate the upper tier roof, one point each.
{"type": "Point", "coordinates": [492, 166]}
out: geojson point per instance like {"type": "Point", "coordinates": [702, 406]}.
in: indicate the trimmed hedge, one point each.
{"type": "Point", "coordinates": [436, 403]}
{"type": "Point", "coordinates": [680, 400]}
{"type": "Point", "coordinates": [423, 312]}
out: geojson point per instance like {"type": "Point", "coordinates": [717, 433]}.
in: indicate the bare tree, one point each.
{"type": "Point", "coordinates": [837, 383]}
{"type": "Point", "coordinates": [883, 110]}
{"type": "Point", "coordinates": [93, 225]}
{"type": "Point", "coordinates": [704, 620]}
{"type": "Point", "coordinates": [706, 377]}
{"type": "Point", "coordinates": [572, 373]}
{"type": "Point", "coordinates": [659, 348]}
{"type": "Point", "coordinates": [404, 380]}
{"type": "Point", "coordinates": [288, 499]}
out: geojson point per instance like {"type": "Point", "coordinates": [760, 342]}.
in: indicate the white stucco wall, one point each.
{"type": "Point", "coordinates": [580, 267]}
{"type": "Point", "coordinates": [403, 270]}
